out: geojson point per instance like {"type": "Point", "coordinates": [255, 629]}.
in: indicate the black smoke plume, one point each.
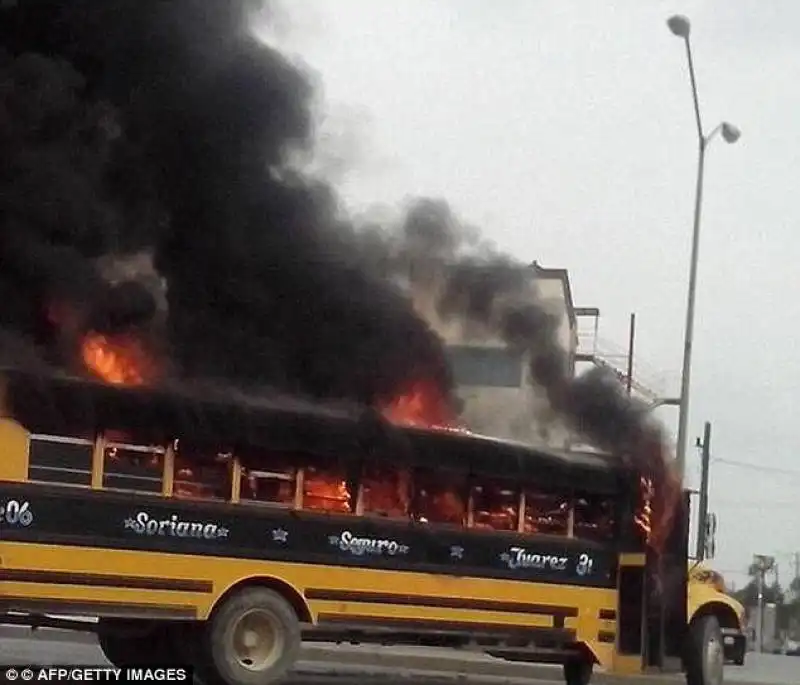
{"type": "Point", "coordinates": [162, 130]}
{"type": "Point", "coordinates": [446, 264]}
{"type": "Point", "coordinates": [145, 126]}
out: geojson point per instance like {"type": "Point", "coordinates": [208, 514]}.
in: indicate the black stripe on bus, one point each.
{"type": "Point", "coordinates": [105, 580]}
{"type": "Point", "coordinates": [559, 613]}
{"type": "Point", "coordinates": [608, 615]}
{"type": "Point", "coordinates": [169, 546]}
{"type": "Point", "coordinates": [355, 622]}
{"type": "Point", "coordinates": [606, 636]}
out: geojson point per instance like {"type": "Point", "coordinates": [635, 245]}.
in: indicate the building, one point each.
{"type": "Point", "coordinates": [492, 381]}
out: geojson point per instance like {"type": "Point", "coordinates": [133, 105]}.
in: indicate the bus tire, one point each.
{"type": "Point", "coordinates": [252, 638]}
{"type": "Point", "coordinates": [135, 642]}
{"type": "Point", "coordinates": [704, 659]}
{"type": "Point", "coordinates": [578, 671]}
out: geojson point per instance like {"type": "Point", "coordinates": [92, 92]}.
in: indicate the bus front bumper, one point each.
{"type": "Point", "coordinates": [735, 644]}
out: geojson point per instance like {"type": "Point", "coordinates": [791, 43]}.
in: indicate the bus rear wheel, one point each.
{"type": "Point", "coordinates": [135, 642]}
{"type": "Point", "coordinates": [252, 638]}
{"type": "Point", "coordinates": [578, 671]}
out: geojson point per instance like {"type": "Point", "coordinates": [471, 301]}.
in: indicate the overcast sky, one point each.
{"type": "Point", "coordinates": [565, 129]}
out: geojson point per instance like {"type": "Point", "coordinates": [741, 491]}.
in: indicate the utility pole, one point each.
{"type": "Point", "coordinates": [681, 27]}
{"type": "Point", "coordinates": [702, 514]}
{"type": "Point", "coordinates": [763, 564]}
{"type": "Point", "coordinates": [631, 339]}
{"type": "Point", "coordinates": [760, 623]}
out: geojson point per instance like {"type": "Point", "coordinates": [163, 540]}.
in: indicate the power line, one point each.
{"type": "Point", "coordinates": [757, 467]}
{"type": "Point", "coordinates": [754, 504]}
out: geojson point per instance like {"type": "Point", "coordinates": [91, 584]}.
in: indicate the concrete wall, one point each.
{"type": "Point", "coordinates": [493, 405]}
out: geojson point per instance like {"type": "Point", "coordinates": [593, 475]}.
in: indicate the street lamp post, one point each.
{"type": "Point", "coordinates": [680, 26]}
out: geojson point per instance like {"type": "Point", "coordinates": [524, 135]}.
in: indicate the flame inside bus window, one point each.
{"type": "Point", "coordinates": [439, 497]}
{"type": "Point", "coordinates": [495, 505]}
{"type": "Point", "coordinates": [326, 488]}
{"type": "Point", "coordinates": [386, 490]}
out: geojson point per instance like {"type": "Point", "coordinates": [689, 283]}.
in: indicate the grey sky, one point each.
{"type": "Point", "coordinates": [565, 129]}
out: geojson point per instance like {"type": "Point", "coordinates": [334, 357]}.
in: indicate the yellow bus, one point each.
{"type": "Point", "coordinates": [706, 595]}
{"type": "Point", "coordinates": [221, 531]}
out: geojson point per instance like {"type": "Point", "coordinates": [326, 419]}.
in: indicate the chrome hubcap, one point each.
{"type": "Point", "coordinates": [714, 662]}
{"type": "Point", "coordinates": [256, 640]}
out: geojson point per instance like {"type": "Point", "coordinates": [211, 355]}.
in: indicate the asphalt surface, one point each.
{"type": "Point", "coordinates": [344, 664]}
{"type": "Point", "coordinates": [770, 669]}
{"type": "Point", "coordinates": [320, 665]}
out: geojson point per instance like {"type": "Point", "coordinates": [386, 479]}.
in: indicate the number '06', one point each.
{"type": "Point", "coordinates": [15, 513]}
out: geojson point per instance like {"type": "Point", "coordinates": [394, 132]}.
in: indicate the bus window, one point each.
{"type": "Point", "coordinates": [594, 517]}
{"type": "Point", "coordinates": [66, 460]}
{"type": "Point", "coordinates": [439, 497]}
{"type": "Point", "coordinates": [546, 512]}
{"type": "Point", "coordinates": [385, 491]}
{"type": "Point", "coordinates": [200, 475]}
{"type": "Point", "coordinates": [271, 483]}
{"type": "Point", "coordinates": [133, 467]}
{"type": "Point", "coordinates": [495, 505]}
{"type": "Point", "coordinates": [326, 488]}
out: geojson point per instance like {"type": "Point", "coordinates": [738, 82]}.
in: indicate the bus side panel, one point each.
{"type": "Point", "coordinates": [112, 582]}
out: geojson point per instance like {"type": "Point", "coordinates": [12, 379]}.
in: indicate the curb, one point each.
{"type": "Point", "coordinates": [11, 632]}
{"type": "Point", "coordinates": [447, 667]}
{"type": "Point", "coordinates": [335, 672]}
{"type": "Point", "coordinates": [453, 663]}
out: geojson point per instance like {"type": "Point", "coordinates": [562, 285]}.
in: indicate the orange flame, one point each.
{"type": "Point", "coordinates": [644, 517]}
{"type": "Point", "coordinates": [119, 360]}
{"type": "Point", "coordinates": [424, 405]}
{"type": "Point", "coordinates": [661, 488]}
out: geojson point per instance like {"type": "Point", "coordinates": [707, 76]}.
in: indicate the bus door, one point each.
{"type": "Point", "coordinates": [652, 595]}
{"type": "Point", "coordinates": [667, 596]}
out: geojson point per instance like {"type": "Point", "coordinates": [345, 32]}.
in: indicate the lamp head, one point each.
{"type": "Point", "coordinates": [680, 26]}
{"type": "Point", "coordinates": [730, 133]}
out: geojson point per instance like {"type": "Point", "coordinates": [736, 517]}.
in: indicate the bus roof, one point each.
{"type": "Point", "coordinates": [204, 414]}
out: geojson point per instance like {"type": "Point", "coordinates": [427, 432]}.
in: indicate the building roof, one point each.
{"type": "Point", "coordinates": [563, 276]}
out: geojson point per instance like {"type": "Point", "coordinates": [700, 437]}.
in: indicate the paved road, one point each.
{"type": "Point", "coordinates": [344, 665]}
{"type": "Point", "coordinates": [47, 650]}
{"type": "Point", "coordinates": [770, 669]}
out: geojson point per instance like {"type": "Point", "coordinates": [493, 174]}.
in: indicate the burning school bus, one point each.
{"type": "Point", "coordinates": [221, 531]}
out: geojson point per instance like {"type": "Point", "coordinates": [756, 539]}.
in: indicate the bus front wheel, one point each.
{"type": "Point", "coordinates": [705, 657]}
{"type": "Point", "coordinates": [252, 638]}
{"type": "Point", "coordinates": [578, 671]}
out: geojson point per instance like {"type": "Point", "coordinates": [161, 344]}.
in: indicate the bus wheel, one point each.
{"type": "Point", "coordinates": [705, 656]}
{"type": "Point", "coordinates": [578, 671]}
{"type": "Point", "coordinates": [253, 638]}
{"type": "Point", "coordinates": [135, 642]}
